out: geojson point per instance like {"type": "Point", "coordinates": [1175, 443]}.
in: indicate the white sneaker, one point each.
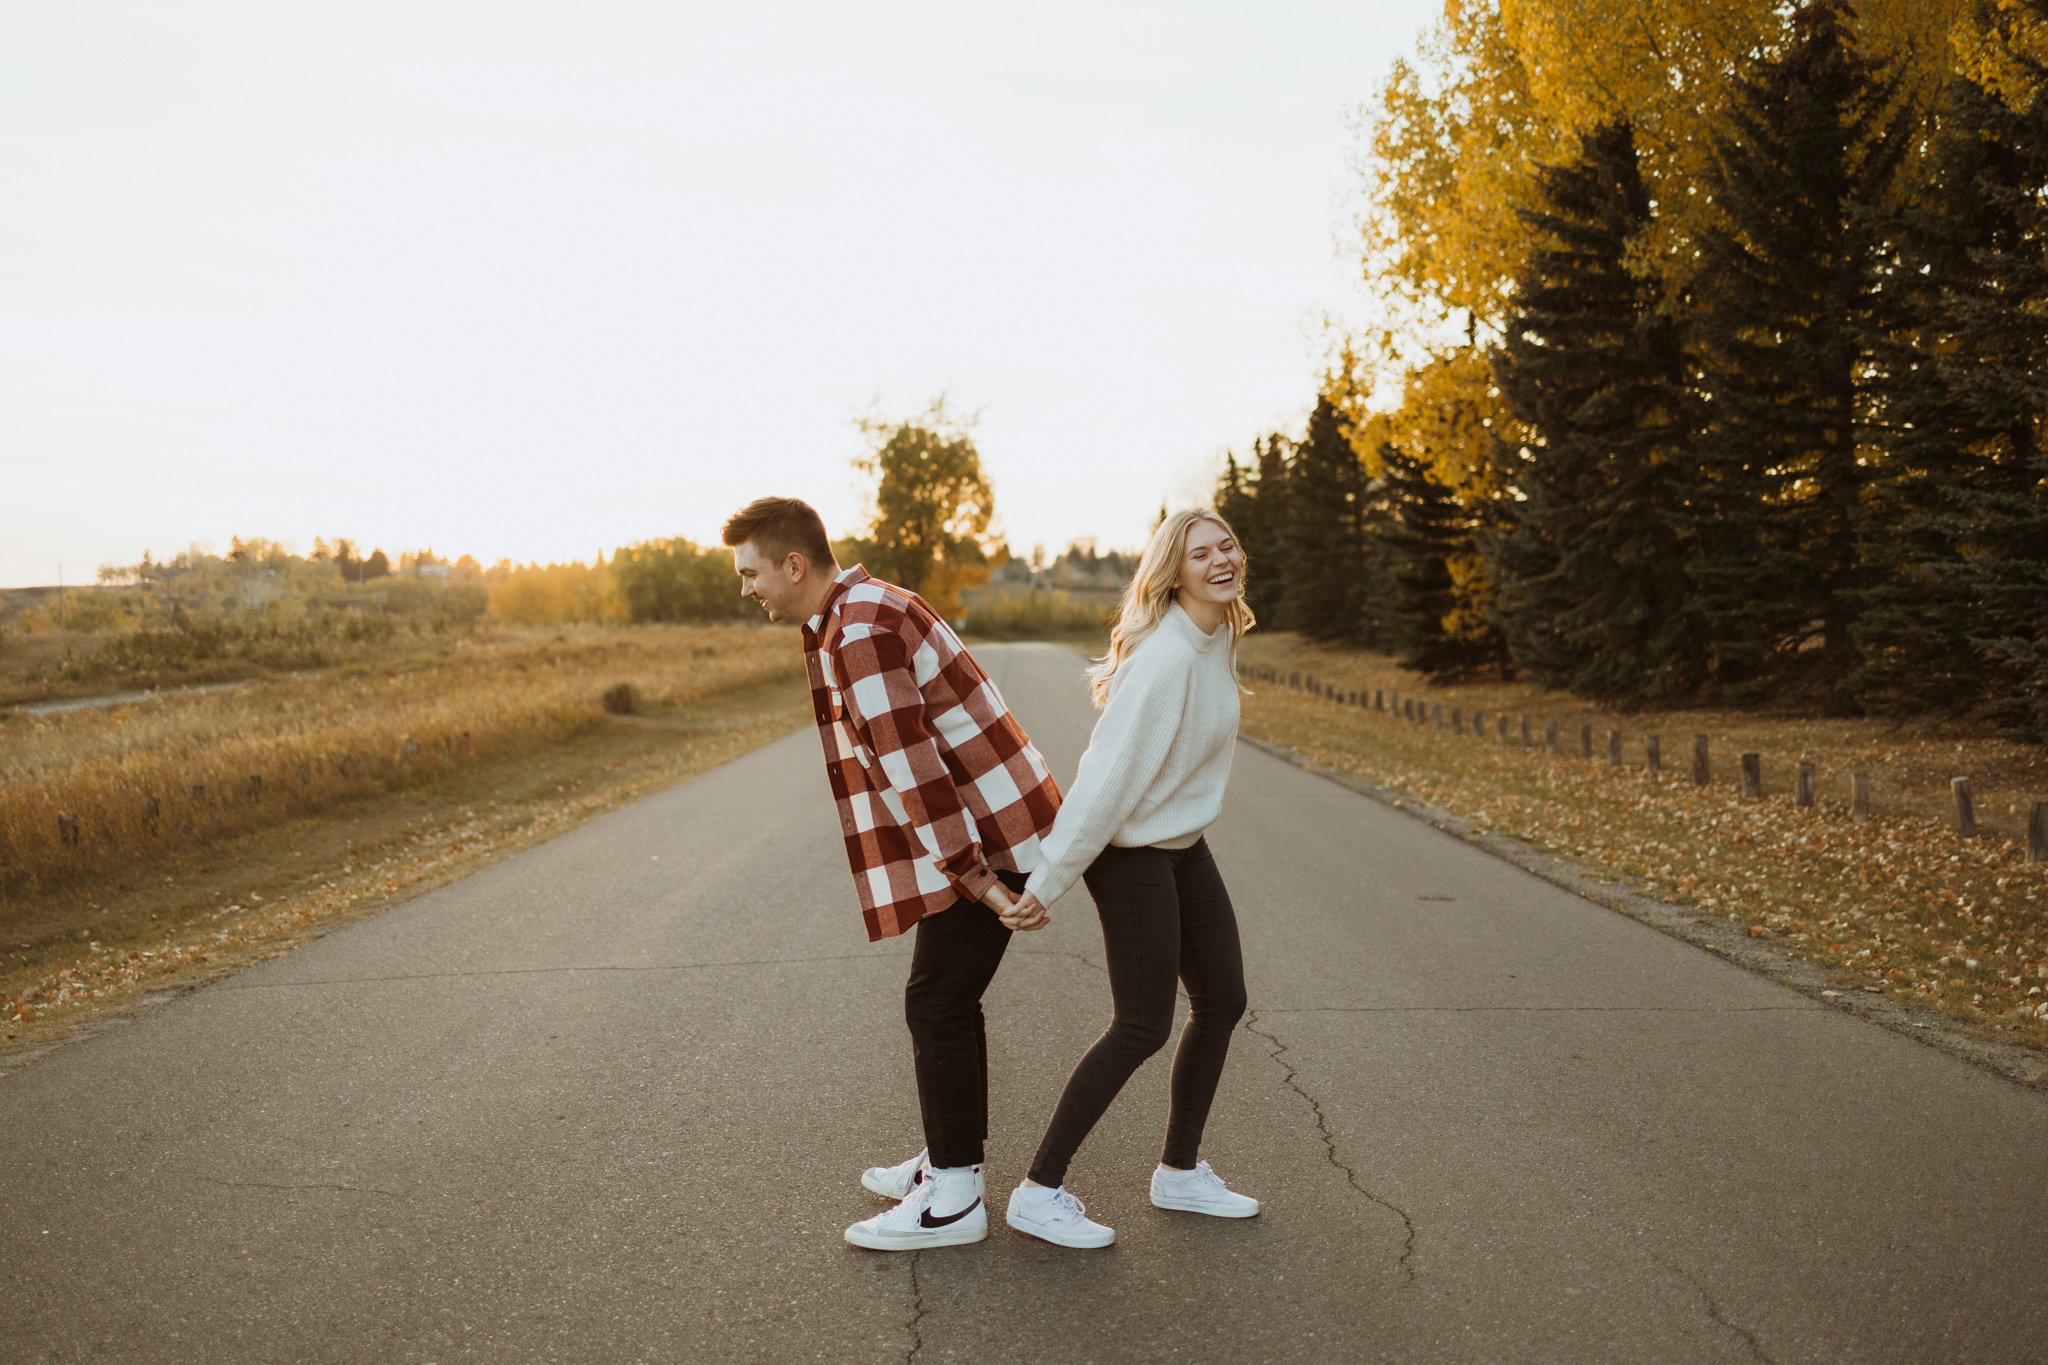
{"type": "Point", "coordinates": [1200, 1191]}
{"type": "Point", "coordinates": [896, 1182]}
{"type": "Point", "coordinates": [912, 1226]}
{"type": "Point", "coordinates": [1057, 1217]}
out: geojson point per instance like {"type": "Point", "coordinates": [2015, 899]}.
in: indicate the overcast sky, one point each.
{"type": "Point", "coordinates": [540, 279]}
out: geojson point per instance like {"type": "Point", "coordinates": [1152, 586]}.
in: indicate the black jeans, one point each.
{"type": "Point", "coordinates": [953, 958]}
{"type": "Point", "coordinates": [1165, 917]}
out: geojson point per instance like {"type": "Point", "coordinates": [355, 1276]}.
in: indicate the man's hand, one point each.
{"type": "Point", "coordinates": [1025, 913]}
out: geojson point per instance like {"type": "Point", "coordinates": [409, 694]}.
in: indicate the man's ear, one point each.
{"type": "Point", "coordinates": [799, 567]}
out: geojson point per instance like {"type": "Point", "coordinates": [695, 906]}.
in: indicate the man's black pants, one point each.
{"type": "Point", "coordinates": [954, 957]}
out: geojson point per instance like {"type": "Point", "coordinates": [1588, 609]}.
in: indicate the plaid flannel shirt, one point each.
{"type": "Point", "coordinates": [938, 786]}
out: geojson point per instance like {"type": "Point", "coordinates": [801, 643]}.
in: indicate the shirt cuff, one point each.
{"type": "Point", "coordinates": [975, 884]}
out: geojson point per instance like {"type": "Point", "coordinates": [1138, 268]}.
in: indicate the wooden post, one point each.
{"type": "Point", "coordinates": [1752, 775]}
{"type": "Point", "coordinates": [2037, 832]}
{"type": "Point", "coordinates": [1614, 748]}
{"type": "Point", "coordinates": [198, 791]}
{"type": "Point", "coordinates": [1526, 741]}
{"type": "Point", "coordinates": [1653, 753]}
{"type": "Point", "coordinates": [255, 784]}
{"type": "Point", "coordinates": [1700, 772]}
{"type": "Point", "coordinates": [1457, 720]}
{"type": "Point", "coordinates": [1436, 715]}
{"type": "Point", "coordinates": [1379, 699]}
{"type": "Point", "coordinates": [1802, 795]}
{"type": "Point", "coordinates": [67, 830]}
{"type": "Point", "coordinates": [151, 811]}
{"type": "Point", "coordinates": [1966, 814]}
{"type": "Point", "coordinates": [1586, 742]}
{"type": "Point", "coordinates": [1859, 797]}
{"type": "Point", "coordinates": [1550, 736]}
{"type": "Point", "coordinates": [1500, 726]}
{"type": "Point", "coordinates": [1294, 681]}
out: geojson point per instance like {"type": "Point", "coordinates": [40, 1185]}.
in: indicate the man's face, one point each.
{"type": "Point", "coordinates": [774, 585]}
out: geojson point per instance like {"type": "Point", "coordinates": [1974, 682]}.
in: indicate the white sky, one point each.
{"type": "Point", "coordinates": [538, 279]}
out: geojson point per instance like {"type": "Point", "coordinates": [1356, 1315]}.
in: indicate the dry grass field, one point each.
{"type": "Point", "coordinates": [1900, 905]}
{"type": "Point", "coordinates": [137, 840]}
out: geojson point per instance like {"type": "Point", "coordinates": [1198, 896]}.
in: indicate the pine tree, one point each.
{"type": "Point", "coordinates": [1587, 540]}
{"type": "Point", "coordinates": [1957, 622]}
{"type": "Point", "coordinates": [1419, 533]}
{"type": "Point", "coordinates": [1325, 538]}
{"type": "Point", "coordinates": [1253, 498]}
{"type": "Point", "coordinates": [1268, 586]}
{"type": "Point", "coordinates": [1789, 308]}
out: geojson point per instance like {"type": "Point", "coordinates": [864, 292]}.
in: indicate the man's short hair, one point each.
{"type": "Point", "coordinates": [777, 526]}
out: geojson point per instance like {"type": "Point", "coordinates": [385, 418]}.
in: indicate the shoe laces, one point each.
{"type": "Point", "coordinates": [911, 1205]}
{"type": "Point", "coordinates": [1205, 1176]}
{"type": "Point", "coordinates": [1066, 1206]}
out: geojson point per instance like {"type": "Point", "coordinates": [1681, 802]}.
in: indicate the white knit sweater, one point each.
{"type": "Point", "coordinates": [1158, 761]}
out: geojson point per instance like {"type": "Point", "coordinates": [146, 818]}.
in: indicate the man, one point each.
{"type": "Point", "coordinates": [943, 803]}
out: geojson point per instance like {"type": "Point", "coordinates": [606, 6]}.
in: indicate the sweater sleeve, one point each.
{"type": "Point", "coordinates": [1125, 755]}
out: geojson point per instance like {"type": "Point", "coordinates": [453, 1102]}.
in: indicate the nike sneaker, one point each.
{"type": "Point", "coordinates": [939, 1211]}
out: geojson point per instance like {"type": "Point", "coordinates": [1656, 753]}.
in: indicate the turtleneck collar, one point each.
{"type": "Point", "coordinates": [1202, 641]}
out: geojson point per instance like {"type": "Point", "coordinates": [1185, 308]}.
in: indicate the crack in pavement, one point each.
{"type": "Point", "coordinates": [916, 1312]}
{"type": "Point", "coordinates": [318, 1185]}
{"type": "Point", "coordinates": [546, 971]}
{"type": "Point", "coordinates": [1061, 952]}
{"type": "Point", "coordinates": [1402, 1263]}
{"type": "Point", "coordinates": [1714, 1312]}
{"type": "Point", "coordinates": [1554, 1009]}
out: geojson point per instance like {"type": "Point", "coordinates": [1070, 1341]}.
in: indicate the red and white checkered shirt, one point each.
{"type": "Point", "coordinates": [938, 786]}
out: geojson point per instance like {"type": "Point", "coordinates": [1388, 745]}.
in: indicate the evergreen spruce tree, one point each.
{"type": "Point", "coordinates": [1956, 621]}
{"type": "Point", "coordinates": [1587, 541]}
{"type": "Point", "coordinates": [1261, 524]}
{"type": "Point", "coordinates": [1421, 529]}
{"type": "Point", "coordinates": [1325, 539]}
{"type": "Point", "coordinates": [1788, 310]}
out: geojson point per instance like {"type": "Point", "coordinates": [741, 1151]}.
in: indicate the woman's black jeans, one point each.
{"type": "Point", "coordinates": [1166, 918]}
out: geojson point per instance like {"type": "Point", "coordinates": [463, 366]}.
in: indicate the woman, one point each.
{"type": "Point", "coordinates": [1151, 782]}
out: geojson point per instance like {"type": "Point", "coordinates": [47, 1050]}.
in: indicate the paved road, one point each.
{"type": "Point", "coordinates": [606, 1101]}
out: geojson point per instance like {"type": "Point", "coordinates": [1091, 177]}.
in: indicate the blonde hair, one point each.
{"type": "Point", "coordinates": [1151, 591]}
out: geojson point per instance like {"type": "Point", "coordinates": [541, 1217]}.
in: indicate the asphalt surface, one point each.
{"type": "Point", "coordinates": [609, 1100]}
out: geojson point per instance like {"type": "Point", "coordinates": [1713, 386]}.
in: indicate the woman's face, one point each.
{"type": "Point", "coordinates": [1211, 566]}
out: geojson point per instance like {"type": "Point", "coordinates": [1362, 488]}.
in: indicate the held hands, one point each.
{"type": "Point", "coordinates": [1021, 913]}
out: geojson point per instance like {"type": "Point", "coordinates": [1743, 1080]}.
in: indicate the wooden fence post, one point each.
{"type": "Point", "coordinates": [1802, 795]}
{"type": "Point", "coordinates": [1526, 741]}
{"type": "Point", "coordinates": [151, 812]}
{"type": "Point", "coordinates": [2037, 832]}
{"type": "Point", "coordinates": [1586, 742]}
{"type": "Point", "coordinates": [1550, 736]}
{"type": "Point", "coordinates": [1699, 761]}
{"type": "Point", "coordinates": [1614, 748]}
{"type": "Point", "coordinates": [1859, 797]}
{"type": "Point", "coordinates": [1966, 814]}
{"type": "Point", "coordinates": [1653, 753]}
{"type": "Point", "coordinates": [1752, 775]}
{"type": "Point", "coordinates": [67, 830]}
{"type": "Point", "coordinates": [1379, 699]}
{"type": "Point", "coordinates": [1436, 715]}
{"type": "Point", "coordinates": [1500, 726]}
{"type": "Point", "coordinates": [1457, 720]}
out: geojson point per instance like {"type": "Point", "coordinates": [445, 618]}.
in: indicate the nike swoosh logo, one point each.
{"type": "Point", "coordinates": [925, 1219]}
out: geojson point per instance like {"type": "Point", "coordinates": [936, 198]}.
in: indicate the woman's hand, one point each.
{"type": "Point", "coordinates": [1025, 913]}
